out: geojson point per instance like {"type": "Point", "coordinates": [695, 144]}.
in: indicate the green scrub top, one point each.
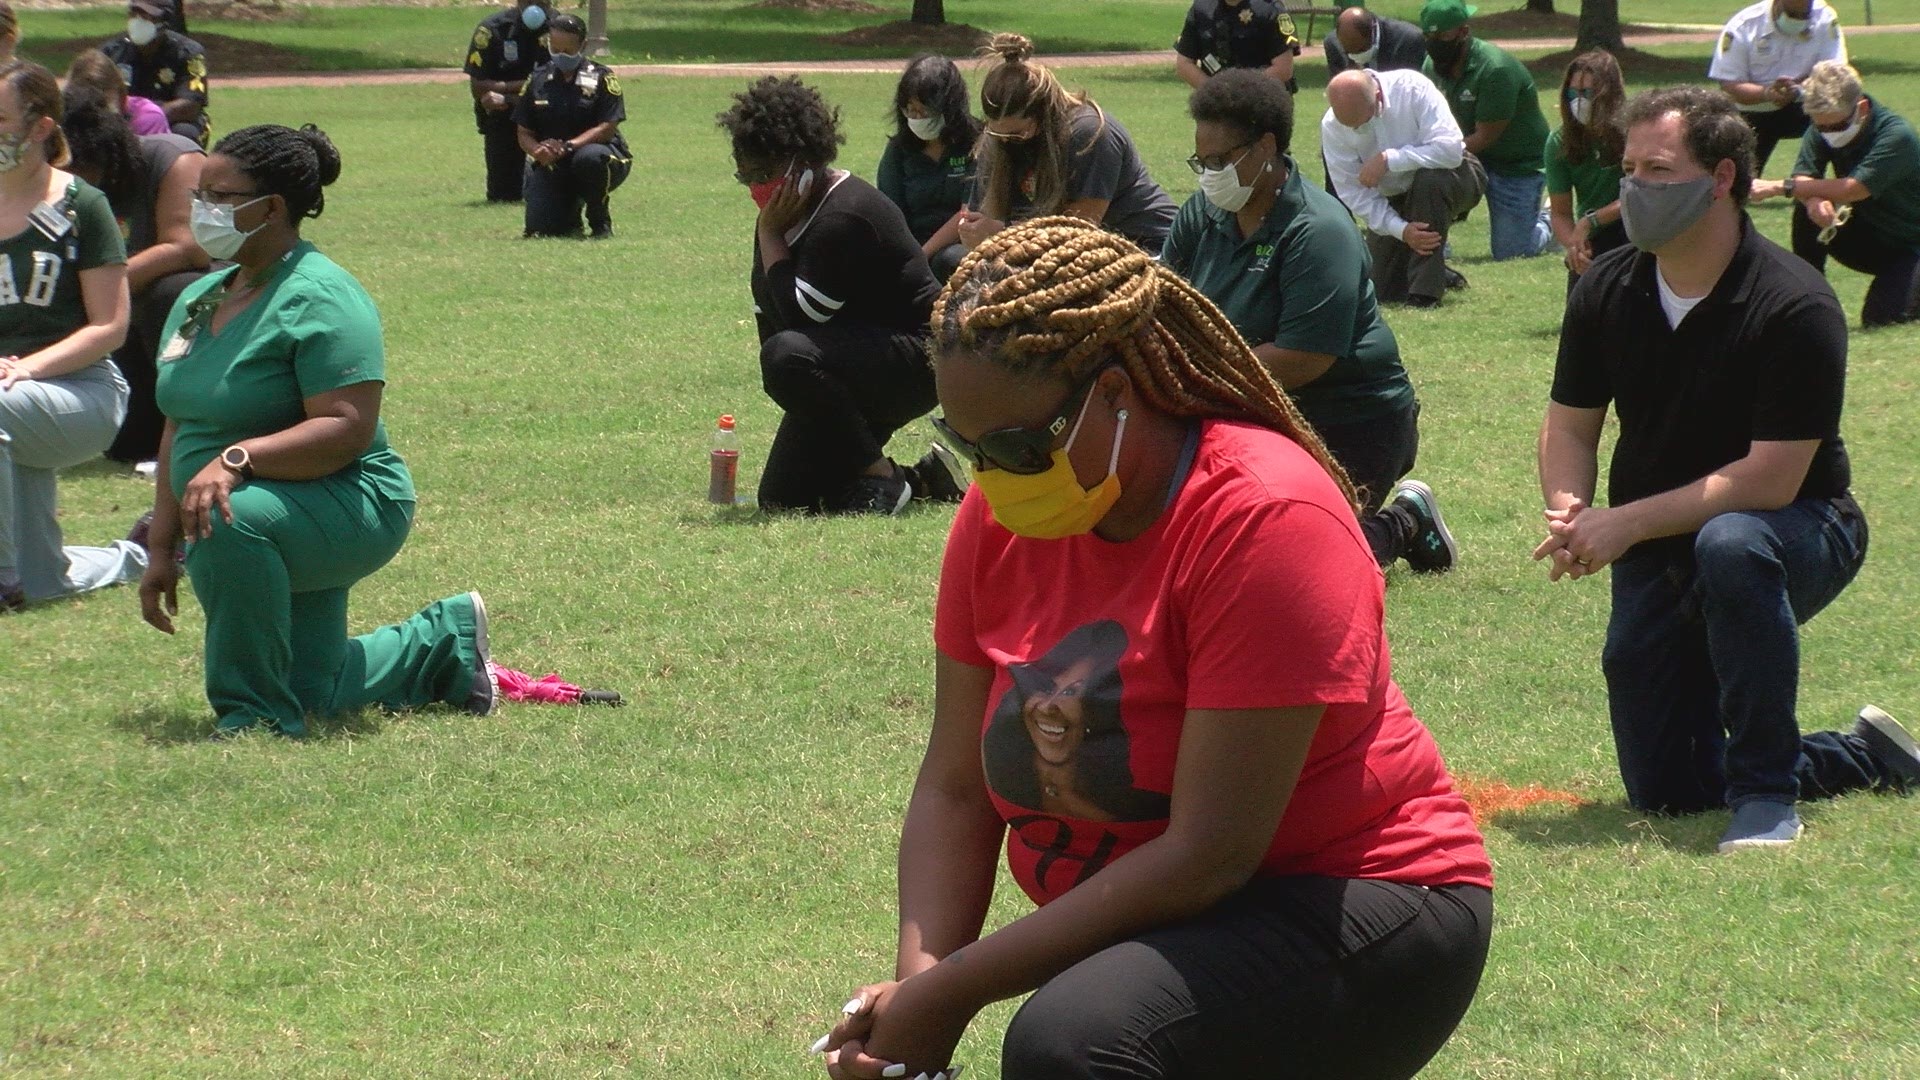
{"type": "Point", "coordinates": [1885, 156]}
{"type": "Point", "coordinates": [1302, 281]}
{"type": "Point", "coordinates": [927, 191]}
{"type": "Point", "coordinates": [312, 329]}
{"type": "Point", "coordinates": [40, 274]}
{"type": "Point", "coordinates": [1593, 183]}
{"type": "Point", "coordinates": [1495, 86]}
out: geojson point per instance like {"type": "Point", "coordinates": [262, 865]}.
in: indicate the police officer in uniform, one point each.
{"type": "Point", "coordinates": [1766, 51]}
{"type": "Point", "coordinates": [164, 66]}
{"type": "Point", "coordinates": [507, 46]}
{"type": "Point", "coordinates": [1220, 34]}
{"type": "Point", "coordinates": [568, 118]}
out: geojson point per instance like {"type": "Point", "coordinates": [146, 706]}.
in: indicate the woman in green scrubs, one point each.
{"type": "Point", "coordinates": [275, 469]}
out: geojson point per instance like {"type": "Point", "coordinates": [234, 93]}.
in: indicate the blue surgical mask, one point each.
{"type": "Point", "coordinates": [566, 63]}
{"type": "Point", "coordinates": [533, 17]}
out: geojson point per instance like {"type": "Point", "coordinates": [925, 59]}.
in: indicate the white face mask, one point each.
{"type": "Point", "coordinates": [1223, 188]}
{"type": "Point", "coordinates": [214, 231]}
{"type": "Point", "coordinates": [1365, 57]}
{"type": "Point", "coordinates": [1790, 25]}
{"type": "Point", "coordinates": [926, 128]}
{"type": "Point", "coordinates": [1838, 139]}
{"type": "Point", "coordinates": [1582, 110]}
{"type": "Point", "coordinates": [140, 31]}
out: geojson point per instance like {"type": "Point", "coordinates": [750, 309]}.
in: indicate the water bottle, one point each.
{"type": "Point", "coordinates": [723, 463]}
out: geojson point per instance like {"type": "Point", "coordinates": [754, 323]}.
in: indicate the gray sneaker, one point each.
{"type": "Point", "coordinates": [484, 698]}
{"type": "Point", "coordinates": [1891, 745]}
{"type": "Point", "coordinates": [1433, 550]}
{"type": "Point", "coordinates": [1760, 824]}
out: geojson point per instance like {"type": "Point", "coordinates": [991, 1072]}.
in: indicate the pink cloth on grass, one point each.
{"type": "Point", "coordinates": [550, 689]}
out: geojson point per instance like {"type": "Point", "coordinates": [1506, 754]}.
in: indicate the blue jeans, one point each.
{"type": "Point", "coordinates": [1703, 661]}
{"type": "Point", "coordinates": [1519, 224]}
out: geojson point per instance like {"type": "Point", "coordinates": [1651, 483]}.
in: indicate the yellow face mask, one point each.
{"type": "Point", "coordinates": [1052, 505]}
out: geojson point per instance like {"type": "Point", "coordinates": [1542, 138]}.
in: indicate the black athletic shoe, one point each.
{"type": "Point", "coordinates": [1433, 550]}
{"type": "Point", "coordinates": [877, 495]}
{"type": "Point", "coordinates": [1417, 301]}
{"type": "Point", "coordinates": [939, 476]}
{"type": "Point", "coordinates": [601, 232]}
{"type": "Point", "coordinates": [1891, 745]}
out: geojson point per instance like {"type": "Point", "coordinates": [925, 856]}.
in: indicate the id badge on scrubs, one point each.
{"type": "Point", "coordinates": [178, 346]}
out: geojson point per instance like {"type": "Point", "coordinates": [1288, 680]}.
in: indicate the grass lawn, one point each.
{"type": "Point", "coordinates": [354, 38]}
{"type": "Point", "coordinates": [691, 886]}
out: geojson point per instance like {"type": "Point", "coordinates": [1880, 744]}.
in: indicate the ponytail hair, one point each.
{"type": "Point", "coordinates": [293, 164]}
{"type": "Point", "coordinates": [1016, 85]}
{"type": "Point", "coordinates": [39, 94]}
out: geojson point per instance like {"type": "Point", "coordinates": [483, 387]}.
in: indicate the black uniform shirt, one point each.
{"type": "Point", "coordinates": [504, 50]}
{"type": "Point", "coordinates": [1762, 358]}
{"type": "Point", "coordinates": [1250, 34]}
{"type": "Point", "coordinates": [175, 69]}
{"type": "Point", "coordinates": [853, 262]}
{"type": "Point", "coordinates": [556, 108]}
{"type": "Point", "coordinates": [1398, 46]}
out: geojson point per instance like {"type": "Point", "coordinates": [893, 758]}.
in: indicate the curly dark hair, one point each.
{"type": "Point", "coordinates": [292, 164]}
{"type": "Point", "coordinates": [1714, 130]}
{"type": "Point", "coordinates": [935, 82]}
{"type": "Point", "coordinates": [1249, 101]}
{"type": "Point", "coordinates": [783, 117]}
{"type": "Point", "coordinates": [102, 146]}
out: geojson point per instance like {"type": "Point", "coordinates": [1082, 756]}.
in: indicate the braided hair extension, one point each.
{"type": "Point", "coordinates": [292, 164]}
{"type": "Point", "coordinates": [1057, 293]}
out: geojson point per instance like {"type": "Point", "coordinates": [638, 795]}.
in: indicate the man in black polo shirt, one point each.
{"type": "Point", "coordinates": [506, 47]}
{"type": "Point", "coordinates": [1222, 34]}
{"type": "Point", "coordinates": [1361, 39]}
{"type": "Point", "coordinates": [164, 66]}
{"type": "Point", "coordinates": [1728, 522]}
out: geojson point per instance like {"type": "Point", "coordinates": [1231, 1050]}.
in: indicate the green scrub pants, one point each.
{"type": "Point", "coordinates": [274, 587]}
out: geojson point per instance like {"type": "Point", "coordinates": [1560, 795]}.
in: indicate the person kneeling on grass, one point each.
{"type": "Point", "coordinates": [1729, 521]}
{"type": "Point", "coordinates": [275, 469]}
{"type": "Point", "coordinates": [1219, 891]}
{"type": "Point", "coordinates": [841, 292]}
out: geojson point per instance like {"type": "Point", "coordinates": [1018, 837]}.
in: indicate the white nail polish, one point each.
{"type": "Point", "coordinates": [895, 1070]}
{"type": "Point", "coordinates": [853, 1006]}
{"type": "Point", "coordinates": [819, 1046]}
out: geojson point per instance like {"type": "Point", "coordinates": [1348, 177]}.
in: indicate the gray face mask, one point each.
{"type": "Point", "coordinates": [1656, 213]}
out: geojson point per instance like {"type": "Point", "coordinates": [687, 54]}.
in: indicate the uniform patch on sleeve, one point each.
{"type": "Point", "coordinates": [197, 67]}
{"type": "Point", "coordinates": [481, 37]}
{"type": "Point", "coordinates": [1726, 41]}
{"type": "Point", "coordinates": [612, 83]}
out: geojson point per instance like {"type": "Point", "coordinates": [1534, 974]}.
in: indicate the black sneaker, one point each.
{"type": "Point", "coordinates": [601, 232]}
{"type": "Point", "coordinates": [1891, 745]}
{"type": "Point", "coordinates": [941, 476]}
{"type": "Point", "coordinates": [484, 698]}
{"type": "Point", "coordinates": [1418, 301]}
{"type": "Point", "coordinates": [13, 597]}
{"type": "Point", "coordinates": [877, 495]}
{"type": "Point", "coordinates": [1433, 550]}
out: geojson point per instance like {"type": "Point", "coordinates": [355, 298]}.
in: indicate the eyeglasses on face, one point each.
{"type": "Point", "coordinates": [1576, 95]}
{"type": "Point", "coordinates": [1023, 451]}
{"type": "Point", "coordinates": [1218, 161]}
{"type": "Point", "coordinates": [216, 195]}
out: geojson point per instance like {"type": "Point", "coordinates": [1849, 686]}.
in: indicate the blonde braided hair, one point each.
{"type": "Point", "coordinates": [1057, 293]}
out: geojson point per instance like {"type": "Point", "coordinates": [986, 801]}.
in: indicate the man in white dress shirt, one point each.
{"type": "Point", "coordinates": [1764, 54]}
{"type": "Point", "coordinates": [1396, 157]}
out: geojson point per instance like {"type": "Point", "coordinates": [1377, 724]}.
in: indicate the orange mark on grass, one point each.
{"type": "Point", "coordinates": [1489, 797]}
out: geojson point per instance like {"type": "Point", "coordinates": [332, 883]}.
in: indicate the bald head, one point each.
{"type": "Point", "coordinates": [1354, 28]}
{"type": "Point", "coordinates": [1350, 98]}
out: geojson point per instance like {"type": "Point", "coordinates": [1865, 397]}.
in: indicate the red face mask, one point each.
{"type": "Point", "coordinates": [764, 191]}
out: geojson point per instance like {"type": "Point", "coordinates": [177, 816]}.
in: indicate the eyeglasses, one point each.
{"type": "Point", "coordinates": [1835, 129]}
{"type": "Point", "coordinates": [214, 195]}
{"type": "Point", "coordinates": [1009, 136]}
{"type": "Point", "coordinates": [762, 175]}
{"type": "Point", "coordinates": [1576, 95]}
{"type": "Point", "coordinates": [1218, 161]}
{"type": "Point", "coordinates": [1023, 451]}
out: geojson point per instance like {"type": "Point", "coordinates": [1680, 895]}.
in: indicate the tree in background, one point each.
{"type": "Point", "coordinates": [1599, 26]}
{"type": "Point", "coordinates": [930, 12]}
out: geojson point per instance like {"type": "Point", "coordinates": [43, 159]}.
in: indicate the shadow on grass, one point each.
{"type": "Point", "coordinates": [1606, 825]}
{"type": "Point", "coordinates": [177, 726]}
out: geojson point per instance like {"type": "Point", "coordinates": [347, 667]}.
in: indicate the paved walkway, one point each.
{"type": "Point", "coordinates": [810, 67]}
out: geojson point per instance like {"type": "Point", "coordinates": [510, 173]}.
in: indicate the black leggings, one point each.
{"type": "Point", "coordinates": [1376, 453]}
{"type": "Point", "coordinates": [1894, 266]}
{"type": "Point", "coordinates": [1291, 977]}
{"type": "Point", "coordinates": [846, 390]}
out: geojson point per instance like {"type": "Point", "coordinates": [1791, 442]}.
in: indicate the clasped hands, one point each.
{"type": "Point", "coordinates": [896, 1030]}
{"type": "Point", "coordinates": [13, 371]}
{"type": "Point", "coordinates": [1582, 540]}
{"type": "Point", "coordinates": [550, 151]}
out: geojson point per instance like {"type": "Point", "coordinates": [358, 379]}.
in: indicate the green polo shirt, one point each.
{"type": "Point", "coordinates": [312, 329]}
{"type": "Point", "coordinates": [926, 191]}
{"type": "Point", "coordinates": [1301, 281]}
{"type": "Point", "coordinates": [1593, 182]}
{"type": "Point", "coordinates": [40, 297]}
{"type": "Point", "coordinates": [1494, 86]}
{"type": "Point", "coordinates": [1885, 156]}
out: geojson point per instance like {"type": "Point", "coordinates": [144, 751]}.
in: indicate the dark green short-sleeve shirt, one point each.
{"type": "Point", "coordinates": [1495, 86]}
{"type": "Point", "coordinates": [1885, 156]}
{"type": "Point", "coordinates": [1301, 281]}
{"type": "Point", "coordinates": [40, 298]}
{"type": "Point", "coordinates": [1593, 182]}
{"type": "Point", "coordinates": [313, 329]}
{"type": "Point", "coordinates": [926, 190]}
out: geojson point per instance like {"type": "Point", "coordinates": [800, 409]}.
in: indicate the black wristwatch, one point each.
{"type": "Point", "coordinates": [235, 457]}
{"type": "Point", "coordinates": [1786, 186]}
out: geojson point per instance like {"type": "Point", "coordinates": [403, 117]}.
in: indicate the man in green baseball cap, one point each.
{"type": "Point", "coordinates": [1493, 98]}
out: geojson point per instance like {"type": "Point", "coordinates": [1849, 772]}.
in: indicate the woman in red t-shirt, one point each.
{"type": "Point", "coordinates": [1163, 680]}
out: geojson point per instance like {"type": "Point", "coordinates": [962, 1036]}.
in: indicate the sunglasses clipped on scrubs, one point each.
{"type": "Point", "coordinates": [1023, 451]}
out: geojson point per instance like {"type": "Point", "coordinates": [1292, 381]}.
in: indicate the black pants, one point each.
{"type": "Point", "coordinates": [1291, 977]}
{"type": "Point", "coordinates": [586, 178]}
{"type": "Point", "coordinates": [945, 261]}
{"type": "Point", "coordinates": [1600, 241]}
{"type": "Point", "coordinates": [1438, 197]}
{"type": "Point", "coordinates": [846, 390]}
{"type": "Point", "coordinates": [500, 147]}
{"type": "Point", "coordinates": [139, 438]}
{"type": "Point", "coordinates": [1376, 453]}
{"type": "Point", "coordinates": [1787, 122]}
{"type": "Point", "coordinates": [1893, 265]}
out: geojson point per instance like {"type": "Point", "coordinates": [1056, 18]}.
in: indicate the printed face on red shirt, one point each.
{"type": "Point", "coordinates": [1056, 719]}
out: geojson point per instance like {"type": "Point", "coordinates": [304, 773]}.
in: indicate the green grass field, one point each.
{"type": "Point", "coordinates": [355, 38]}
{"type": "Point", "coordinates": [689, 887]}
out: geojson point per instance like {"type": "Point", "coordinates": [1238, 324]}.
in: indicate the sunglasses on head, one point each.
{"type": "Point", "coordinates": [1023, 451]}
